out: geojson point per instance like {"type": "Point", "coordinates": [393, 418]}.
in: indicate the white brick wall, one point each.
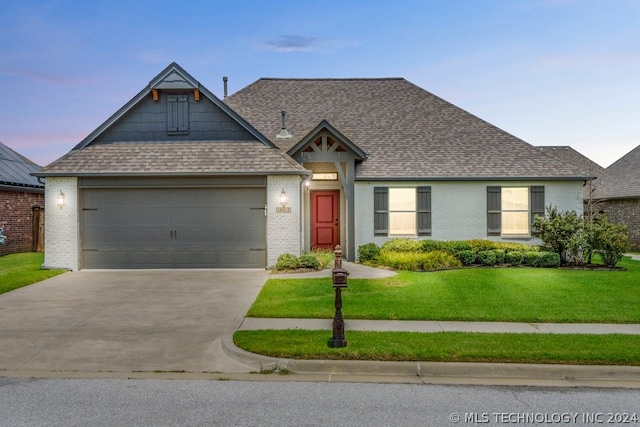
{"type": "Point", "coordinates": [283, 229]}
{"type": "Point", "coordinates": [61, 224]}
{"type": "Point", "coordinates": [459, 208]}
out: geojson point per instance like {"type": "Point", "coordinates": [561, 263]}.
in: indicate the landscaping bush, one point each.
{"type": "Point", "coordinates": [308, 261]}
{"type": "Point", "coordinates": [450, 246]}
{"type": "Point", "coordinates": [516, 247]}
{"type": "Point", "coordinates": [401, 245]}
{"type": "Point", "coordinates": [368, 252]}
{"type": "Point", "coordinates": [324, 256]}
{"type": "Point", "coordinates": [467, 257]}
{"type": "Point", "coordinates": [287, 262]}
{"type": "Point", "coordinates": [480, 245]}
{"type": "Point", "coordinates": [530, 258]}
{"type": "Point", "coordinates": [610, 241]}
{"type": "Point", "coordinates": [418, 261]}
{"type": "Point", "coordinates": [430, 245]}
{"type": "Point", "coordinates": [556, 230]}
{"type": "Point", "coordinates": [486, 257]}
{"type": "Point", "coordinates": [514, 258]}
{"type": "Point", "coordinates": [548, 259]}
{"type": "Point", "coordinates": [500, 253]}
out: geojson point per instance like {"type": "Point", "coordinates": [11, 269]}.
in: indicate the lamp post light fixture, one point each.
{"type": "Point", "coordinates": [339, 278]}
{"type": "Point", "coordinates": [60, 199]}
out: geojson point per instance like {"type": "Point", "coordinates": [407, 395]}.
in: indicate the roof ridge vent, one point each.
{"type": "Point", "coordinates": [284, 133]}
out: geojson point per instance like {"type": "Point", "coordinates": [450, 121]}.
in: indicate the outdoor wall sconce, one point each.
{"type": "Point", "coordinates": [307, 184]}
{"type": "Point", "coordinates": [283, 201]}
{"type": "Point", "coordinates": [60, 199]}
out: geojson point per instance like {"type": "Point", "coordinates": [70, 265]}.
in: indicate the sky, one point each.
{"type": "Point", "coordinates": [551, 72]}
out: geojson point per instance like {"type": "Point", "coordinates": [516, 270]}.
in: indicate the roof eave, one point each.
{"type": "Point", "coordinates": [472, 178]}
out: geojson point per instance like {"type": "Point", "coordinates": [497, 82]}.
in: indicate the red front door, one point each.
{"type": "Point", "coordinates": [325, 219]}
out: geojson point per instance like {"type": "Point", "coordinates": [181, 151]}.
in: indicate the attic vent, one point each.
{"type": "Point", "coordinates": [284, 133]}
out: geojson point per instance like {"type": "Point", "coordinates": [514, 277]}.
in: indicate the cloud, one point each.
{"type": "Point", "coordinates": [299, 43]}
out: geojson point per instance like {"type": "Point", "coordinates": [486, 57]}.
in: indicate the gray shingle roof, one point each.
{"type": "Point", "coordinates": [179, 157]}
{"type": "Point", "coordinates": [584, 164]}
{"type": "Point", "coordinates": [622, 178]}
{"type": "Point", "coordinates": [406, 131]}
{"type": "Point", "coordinates": [15, 169]}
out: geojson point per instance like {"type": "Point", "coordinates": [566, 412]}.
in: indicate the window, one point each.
{"type": "Point", "coordinates": [402, 211]}
{"type": "Point", "coordinates": [511, 210]}
{"type": "Point", "coordinates": [177, 114]}
{"type": "Point", "coordinates": [515, 211]}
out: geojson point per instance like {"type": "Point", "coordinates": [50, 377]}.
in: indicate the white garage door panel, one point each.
{"type": "Point", "coordinates": [173, 228]}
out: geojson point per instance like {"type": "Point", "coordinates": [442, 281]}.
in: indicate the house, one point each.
{"type": "Point", "coordinates": [21, 203]}
{"type": "Point", "coordinates": [179, 178]}
{"type": "Point", "coordinates": [618, 194]}
{"type": "Point", "coordinates": [586, 166]}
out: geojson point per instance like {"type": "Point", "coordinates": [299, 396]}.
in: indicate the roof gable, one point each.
{"type": "Point", "coordinates": [326, 126]}
{"type": "Point", "coordinates": [15, 169]}
{"type": "Point", "coordinates": [407, 132]}
{"type": "Point", "coordinates": [173, 77]}
{"type": "Point", "coordinates": [622, 178]}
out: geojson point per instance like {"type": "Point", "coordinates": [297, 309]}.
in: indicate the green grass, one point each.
{"type": "Point", "coordinates": [478, 294]}
{"type": "Point", "coordinates": [446, 346]}
{"type": "Point", "coordinates": [18, 270]}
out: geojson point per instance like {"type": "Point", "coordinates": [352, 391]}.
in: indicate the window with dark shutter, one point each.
{"type": "Point", "coordinates": [537, 201]}
{"type": "Point", "coordinates": [380, 211]}
{"type": "Point", "coordinates": [177, 114]}
{"type": "Point", "coordinates": [494, 211]}
{"type": "Point", "coordinates": [424, 211]}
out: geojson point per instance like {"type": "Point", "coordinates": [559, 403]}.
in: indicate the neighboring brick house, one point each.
{"type": "Point", "coordinates": [21, 203]}
{"type": "Point", "coordinates": [618, 194]}
{"type": "Point", "coordinates": [179, 178]}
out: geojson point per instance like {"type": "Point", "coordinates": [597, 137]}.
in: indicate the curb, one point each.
{"type": "Point", "coordinates": [611, 376]}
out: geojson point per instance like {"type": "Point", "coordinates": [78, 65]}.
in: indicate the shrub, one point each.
{"type": "Point", "coordinates": [515, 247]}
{"type": "Point", "coordinates": [548, 259]}
{"type": "Point", "coordinates": [324, 256]}
{"type": "Point", "coordinates": [466, 257]}
{"type": "Point", "coordinates": [480, 245]}
{"type": "Point", "coordinates": [308, 261]}
{"type": "Point", "coordinates": [487, 257]}
{"type": "Point", "coordinates": [287, 262]}
{"type": "Point", "coordinates": [401, 245]}
{"type": "Point", "coordinates": [418, 261]}
{"type": "Point", "coordinates": [368, 252]}
{"type": "Point", "coordinates": [530, 258]}
{"type": "Point", "coordinates": [500, 253]}
{"type": "Point", "coordinates": [609, 240]}
{"type": "Point", "coordinates": [514, 258]}
{"type": "Point", "coordinates": [578, 248]}
{"type": "Point", "coordinates": [430, 245]}
{"type": "Point", "coordinates": [556, 230]}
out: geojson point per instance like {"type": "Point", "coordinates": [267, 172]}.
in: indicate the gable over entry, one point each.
{"type": "Point", "coordinates": [328, 152]}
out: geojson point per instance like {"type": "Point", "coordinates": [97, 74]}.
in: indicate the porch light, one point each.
{"type": "Point", "coordinates": [283, 198]}
{"type": "Point", "coordinates": [60, 199]}
{"type": "Point", "coordinates": [307, 184]}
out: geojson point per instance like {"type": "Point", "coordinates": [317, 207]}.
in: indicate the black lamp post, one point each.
{"type": "Point", "coordinates": [339, 278]}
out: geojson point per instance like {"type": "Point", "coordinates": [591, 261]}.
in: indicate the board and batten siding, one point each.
{"type": "Point", "coordinates": [458, 208]}
{"type": "Point", "coordinates": [164, 120]}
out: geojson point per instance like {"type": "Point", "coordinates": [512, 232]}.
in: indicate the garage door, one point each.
{"type": "Point", "coordinates": [173, 227]}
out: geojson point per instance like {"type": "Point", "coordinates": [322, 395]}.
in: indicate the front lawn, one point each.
{"type": "Point", "coordinates": [18, 270]}
{"type": "Point", "coordinates": [446, 347]}
{"type": "Point", "coordinates": [478, 294]}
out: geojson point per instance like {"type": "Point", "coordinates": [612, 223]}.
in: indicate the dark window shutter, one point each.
{"type": "Point", "coordinates": [424, 211]}
{"type": "Point", "coordinates": [537, 201]}
{"type": "Point", "coordinates": [380, 211]}
{"type": "Point", "coordinates": [177, 114]}
{"type": "Point", "coordinates": [494, 210]}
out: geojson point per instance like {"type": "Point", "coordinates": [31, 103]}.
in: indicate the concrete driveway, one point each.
{"type": "Point", "coordinates": [126, 321]}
